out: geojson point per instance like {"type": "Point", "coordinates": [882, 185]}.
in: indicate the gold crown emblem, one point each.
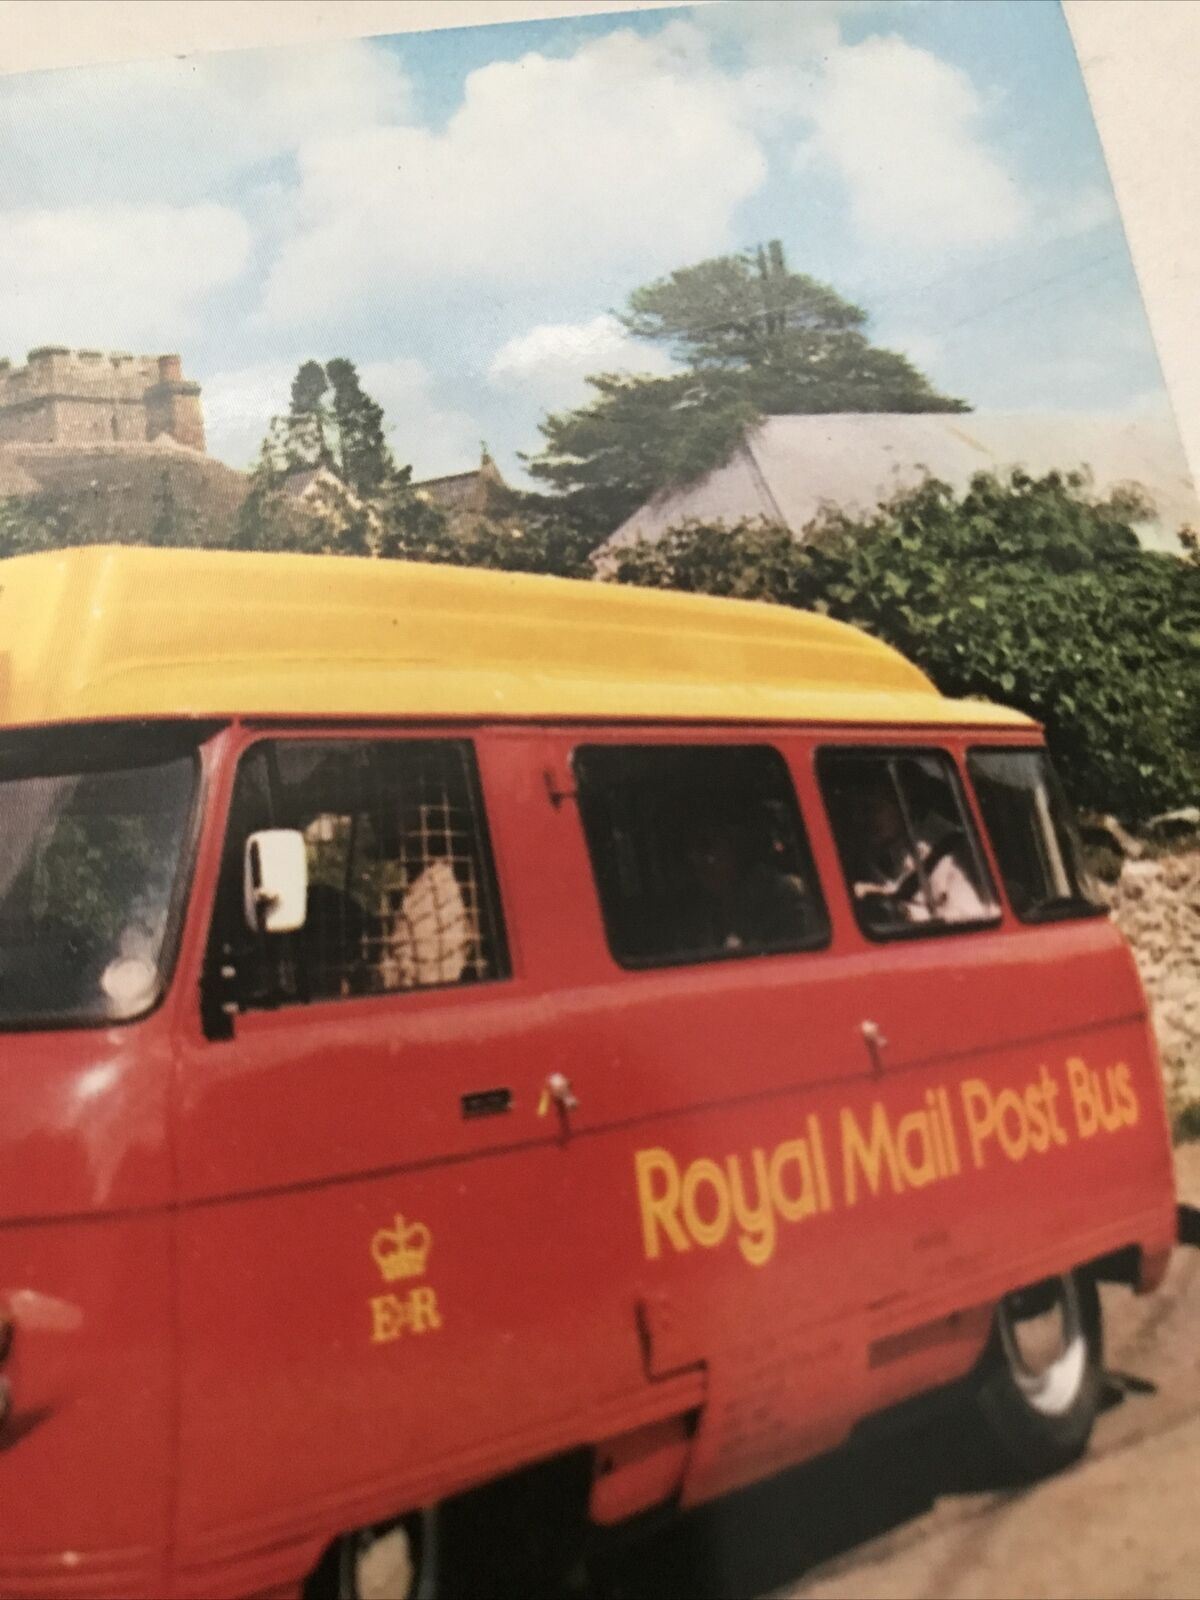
{"type": "Point", "coordinates": [401, 1252]}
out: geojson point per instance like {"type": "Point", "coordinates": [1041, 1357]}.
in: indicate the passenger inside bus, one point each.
{"type": "Point", "coordinates": [741, 898]}
{"type": "Point", "coordinates": [398, 892]}
{"type": "Point", "coordinates": [699, 852]}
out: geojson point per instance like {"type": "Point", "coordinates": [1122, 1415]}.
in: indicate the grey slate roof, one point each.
{"type": "Point", "coordinates": [788, 468]}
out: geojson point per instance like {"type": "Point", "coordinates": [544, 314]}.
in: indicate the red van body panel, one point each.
{"type": "Point", "coordinates": [287, 1287]}
{"type": "Point", "coordinates": [86, 1271]}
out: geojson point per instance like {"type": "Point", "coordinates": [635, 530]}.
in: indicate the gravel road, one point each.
{"type": "Point", "coordinates": [905, 1519]}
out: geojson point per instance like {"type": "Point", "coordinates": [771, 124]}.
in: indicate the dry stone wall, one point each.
{"type": "Point", "coordinates": [1157, 906]}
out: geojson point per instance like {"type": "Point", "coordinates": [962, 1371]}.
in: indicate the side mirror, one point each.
{"type": "Point", "coordinates": [276, 880]}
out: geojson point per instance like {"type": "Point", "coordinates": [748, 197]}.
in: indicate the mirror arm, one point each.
{"type": "Point", "coordinates": [262, 906]}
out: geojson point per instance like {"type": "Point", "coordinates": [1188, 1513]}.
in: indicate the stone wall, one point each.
{"type": "Point", "coordinates": [1157, 906]}
{"type": "Point", "coordinates": [112, 492]}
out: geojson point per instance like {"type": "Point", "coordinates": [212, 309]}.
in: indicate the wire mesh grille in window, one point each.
{"type": "Point", "coordinates": [401, 893]}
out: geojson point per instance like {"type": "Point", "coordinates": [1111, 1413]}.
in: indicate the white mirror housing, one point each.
{"type": "Point", "coordinates": [276, 880]}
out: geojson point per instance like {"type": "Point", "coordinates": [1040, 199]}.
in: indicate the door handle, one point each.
{"type": "Point", "coordinates": [876, 1044]}
{"type": "Point", "coordinates": [557, 1092]}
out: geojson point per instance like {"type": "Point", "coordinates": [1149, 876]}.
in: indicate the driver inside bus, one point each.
{"type": "Point", "coordinates": [896, 885]}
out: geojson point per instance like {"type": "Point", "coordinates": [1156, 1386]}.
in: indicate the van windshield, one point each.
{"type": "Point", "coordinates": [93, 826]}
{"type": "Point", "coordinates": [1032, 834]}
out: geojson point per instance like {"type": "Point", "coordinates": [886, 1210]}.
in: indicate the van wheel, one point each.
{"type": "Point", "coordinates": [515, 1538]}
{"type": "Point", "coordinates": [1038, 1387]}
{"type": "Point", "coordinates": [390, 1561]}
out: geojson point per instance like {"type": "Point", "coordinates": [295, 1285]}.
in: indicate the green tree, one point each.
{"type": "Point", "coordinates": [309, 388]}
{"type": "Point", "coordinates": [365, 506]}
{"type": "Point", "coordinates": [412, 528]}
{"type": "Point", "coordinates": [1022, 590]}
{"type": "Point", "coordinates": [29, 524]}
{"type": "Point", "coordinates": [639, 435]}
{"type": "Point", "coordinates": [331, 422]}
{"type": "Point", "coordinates": [329, 519]}
{"type": "Point", "coordinates": [322, 525]}
{"type": "Point", "coordinates": [790, 343]}
{"type": "Point", "coordinates": [306, 427]}
{"type": "Point", "coordinates": [362, 457]}
{"type": "Point", "coordinates": [519, 533]}
{"type": "Point", "coordinates": [753, 338]}
{"type": "Point", "coordinates": [51, 520]}
{"type": "Point", "coordinates": [169, 528]}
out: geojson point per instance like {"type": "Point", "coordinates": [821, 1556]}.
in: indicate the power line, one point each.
{"type": "Point", "coordinates": [752, 315]}
{"type": "Point", "coordinates": [1034, 288]}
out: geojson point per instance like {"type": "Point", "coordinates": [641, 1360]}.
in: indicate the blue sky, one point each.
{"type": "Point", "coordinates": [461, 212]}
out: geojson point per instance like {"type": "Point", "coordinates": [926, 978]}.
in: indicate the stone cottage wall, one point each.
{"type": "Point", "coordinates": [1157, 906]}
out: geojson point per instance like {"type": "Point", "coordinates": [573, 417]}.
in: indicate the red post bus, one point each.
{"type": "Point", "coordinates": [481, 1051]}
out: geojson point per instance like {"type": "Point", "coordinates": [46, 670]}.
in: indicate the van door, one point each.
{"type": "Point", "coordinates": [927, 915]}
{"type": "Point", "coordinates": [972, 1027]}
{"type": "Point", "coordinates": [387, 1285]}
{"type": "Point", "coordinates": [713, 1047]}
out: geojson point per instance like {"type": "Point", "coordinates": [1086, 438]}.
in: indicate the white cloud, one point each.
{"type": "Point", "coordinates": [621, 160]}
{"type": "Point", "coordinates": [149, 129]}
{"type": "Point", "coordinates": [112, 226]}
{"type": "Point", "coordinates": [767, 32]}
{"type": "Point", "coordinates": [422, 431]}
{"type": "Point", "coordinates": [552, 361]}
{"type": "Point", "coordinates": [901, 128]}
{"type": "Point", "coordinates": [114, 276]}
{"type": "Point", "coordinates": [239, 406]}
{"type": "Point", "coordinates": [550, 168]}
{"type": "Point", "coordinates": [432, 437]}
{"type": "Point", "coordinates": [562, 180]}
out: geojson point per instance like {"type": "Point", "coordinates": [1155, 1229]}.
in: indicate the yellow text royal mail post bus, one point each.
{"type": "Point", "coordinates": [478, 1046]}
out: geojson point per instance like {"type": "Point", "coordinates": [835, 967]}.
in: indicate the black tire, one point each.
{"type": "Point", "coordinates": [1038, 1414]}
{"type": "Point", "coordinates": [519, 1539]}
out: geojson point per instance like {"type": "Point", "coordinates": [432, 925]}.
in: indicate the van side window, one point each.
{"type": "Point", "coordinates": [907, 846]}
{"type": "Point", "coordinates": [401, 889]}
{"type": "Point", "coordinates": [699, 852]}
{"type": "Point", "coordinates": [1028, 820]}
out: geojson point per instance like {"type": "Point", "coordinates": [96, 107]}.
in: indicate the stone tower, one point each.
{"type": "Point", "coordinates": [173, 405]}
{"type": "Point", "coordinates": [80, 397]}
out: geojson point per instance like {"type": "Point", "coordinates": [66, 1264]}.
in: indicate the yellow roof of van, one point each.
{"type": "Point", "coordinates": [109, 632]}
